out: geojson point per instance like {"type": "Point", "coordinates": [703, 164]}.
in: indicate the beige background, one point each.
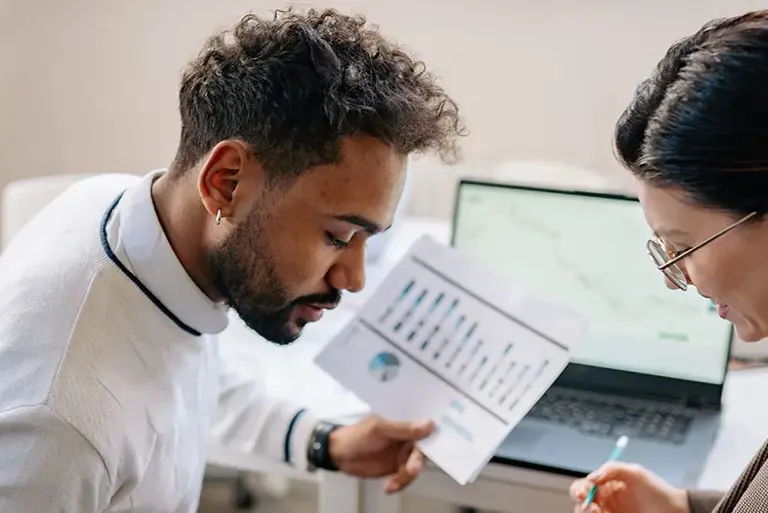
{"type": "Point", "coordinates": [90, 85]}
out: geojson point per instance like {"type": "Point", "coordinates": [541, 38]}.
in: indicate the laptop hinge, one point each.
{"type": "Point", "coordinates": [697, 402]}
{"type": "Point", "coordinates": [700, 403]}
{"type": "Point", "coordinates": [677, 400]}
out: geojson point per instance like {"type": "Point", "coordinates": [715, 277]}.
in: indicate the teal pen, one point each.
{"type": "Point", "coordinates": [621, 443]}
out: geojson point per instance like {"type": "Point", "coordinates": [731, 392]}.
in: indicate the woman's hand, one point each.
{"type": "Point", "coordinates": [628, 488]}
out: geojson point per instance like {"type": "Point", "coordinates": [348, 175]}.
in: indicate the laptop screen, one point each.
{"type": "Point", "coordinates": [588, 252]}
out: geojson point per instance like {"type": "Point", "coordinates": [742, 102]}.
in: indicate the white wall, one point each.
{"type": "Point", "coordinates": [90, 85]}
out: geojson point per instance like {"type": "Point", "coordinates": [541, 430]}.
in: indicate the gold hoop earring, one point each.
{"type": "Point", "coordinates": [218, 216]}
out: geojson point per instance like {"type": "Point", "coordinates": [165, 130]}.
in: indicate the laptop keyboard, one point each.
{"type": "Point", "coordinates": [594, 414]}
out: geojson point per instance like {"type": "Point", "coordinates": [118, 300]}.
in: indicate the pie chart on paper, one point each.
{"type": "Point", "coordinates": [384, 367]}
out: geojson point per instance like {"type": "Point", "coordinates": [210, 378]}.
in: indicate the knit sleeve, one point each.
{"type": "Point", "coordinates": [47, 465]}
{"type": "Point", "coordinates": [703, 501]}
{"type": "Point", "coordinates": [248, 419]}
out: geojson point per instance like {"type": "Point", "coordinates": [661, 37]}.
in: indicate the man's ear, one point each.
{"type": "Point", "coordinates": [223, 176]}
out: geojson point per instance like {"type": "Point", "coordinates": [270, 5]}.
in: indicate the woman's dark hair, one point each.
{"type": "Point", "coordinates": [292, 86]}
{"type": "Point", "coordinates": [700, 121]}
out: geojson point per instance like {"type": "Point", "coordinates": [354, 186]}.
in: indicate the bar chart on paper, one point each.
{"type": "Point", "coordinates": [438, 324]}
{"type": "Point", "coordinates": [429, 344]}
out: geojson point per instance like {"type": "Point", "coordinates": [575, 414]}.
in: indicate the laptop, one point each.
{"type": "Point", "coordinates": [654, 361]}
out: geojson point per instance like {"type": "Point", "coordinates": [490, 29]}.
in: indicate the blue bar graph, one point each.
{"type": "Point", "coordinates": [409, 312]}
{"type": "Point", "coordinates": [518, 379]}
{"type": "Point", "coordinates": [397, 301]}
{"type": "Point", "coordinates": [464, 341]}
{"type": "Point", "coordinates": [424, 317]}
{"type": "Point", "coordinates": [438, 324]}
{"type": "Point", "coordinates": [447, 339]}
{"type": "Point", "coordinates": [496, 366]}
{"type": "Point", "coordinates": [433, 323]}
{"type": "Point", "coordinates": [502, 380]}
{"type": "Point", "coordinates": [479, 368]}
{"type": "Point", "coordinates": [471, 356]}
{"type": "Point", "coordinates": [538, 374]}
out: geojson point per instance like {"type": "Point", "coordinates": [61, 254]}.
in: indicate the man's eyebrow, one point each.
{"type": "Point", "coordinates": [364, 223]}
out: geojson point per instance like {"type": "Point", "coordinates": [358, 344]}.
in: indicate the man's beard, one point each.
{"type": "Point", "coordinates": [244, 274]}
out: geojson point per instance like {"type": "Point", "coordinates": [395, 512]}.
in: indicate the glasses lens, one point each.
{"type": "Point", "coordinates": [660, 257]}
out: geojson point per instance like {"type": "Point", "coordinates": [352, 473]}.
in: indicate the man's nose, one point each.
{"type": "Point", "coordinates": [349, 272]}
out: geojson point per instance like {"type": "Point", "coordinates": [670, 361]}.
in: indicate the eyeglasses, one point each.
{"type": "Point", "coordinates": [666, 260]}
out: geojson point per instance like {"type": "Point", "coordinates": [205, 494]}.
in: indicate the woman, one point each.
{"type": "Point", "coordinates": [695, 137]}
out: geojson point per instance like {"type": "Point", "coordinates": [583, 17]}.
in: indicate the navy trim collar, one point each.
{"type": "Point", "coordinates": [111, 254]}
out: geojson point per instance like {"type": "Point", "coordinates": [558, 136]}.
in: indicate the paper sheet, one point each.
{"type": "Point", "coordinates": [445, 339]}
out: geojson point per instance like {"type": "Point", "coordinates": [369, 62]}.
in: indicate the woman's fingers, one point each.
{"type": "Point", "coordinates": [615, 471]}
{"type": "Point", "coordinates": [578, 489]}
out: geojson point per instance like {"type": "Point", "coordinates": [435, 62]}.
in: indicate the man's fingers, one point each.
{"type": "Point", "coordinates": [392, 485]}
{"type": "Point", "coordinates": [409, 460]}
{"type": "Point", "coordinates": [399, 481]}
{"type": "Point", "coordinates": [404, 453]}
{"type": "Point", "coordinates": [403, 431]}
{"type": "Point", "coordinates": [408, 471]}
{"type": "Point", "coordinates": [415, 462]}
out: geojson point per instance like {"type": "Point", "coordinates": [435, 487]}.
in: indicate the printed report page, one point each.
{"type": "Point", "coordinates": [445, 339]}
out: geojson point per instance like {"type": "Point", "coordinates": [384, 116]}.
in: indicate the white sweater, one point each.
{"type": "Point", "coordinates": [111, 385]}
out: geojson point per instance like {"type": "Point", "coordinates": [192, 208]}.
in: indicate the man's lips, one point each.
{"type": "Point", "coordinates": [313, 312]}
{"type": "Point", "coordinates": [328, 306]}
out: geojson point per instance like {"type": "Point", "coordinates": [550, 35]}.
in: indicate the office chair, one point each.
{"type": "Point", "coordinates": [21, 200]}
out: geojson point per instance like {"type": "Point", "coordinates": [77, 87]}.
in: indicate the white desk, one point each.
{"type": "Point", "coordinates": [499, 487]}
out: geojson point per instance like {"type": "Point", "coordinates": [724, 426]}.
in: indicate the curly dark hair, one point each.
{"type": "Point", "coordinates": [294, 85]}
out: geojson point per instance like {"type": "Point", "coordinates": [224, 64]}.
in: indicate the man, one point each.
{"type": "Point", "coordinates": [295, 132]}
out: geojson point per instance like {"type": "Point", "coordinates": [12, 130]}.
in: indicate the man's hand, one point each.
{"type": "Point", "coordinates": [375, 447]}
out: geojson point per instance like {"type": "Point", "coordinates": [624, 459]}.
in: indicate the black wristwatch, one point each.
{"type": "Point", "coordinates": [318, 455]}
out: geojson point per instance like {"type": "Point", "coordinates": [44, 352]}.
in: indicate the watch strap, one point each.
{"type": "Point", "coordinates": [318, 453]}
